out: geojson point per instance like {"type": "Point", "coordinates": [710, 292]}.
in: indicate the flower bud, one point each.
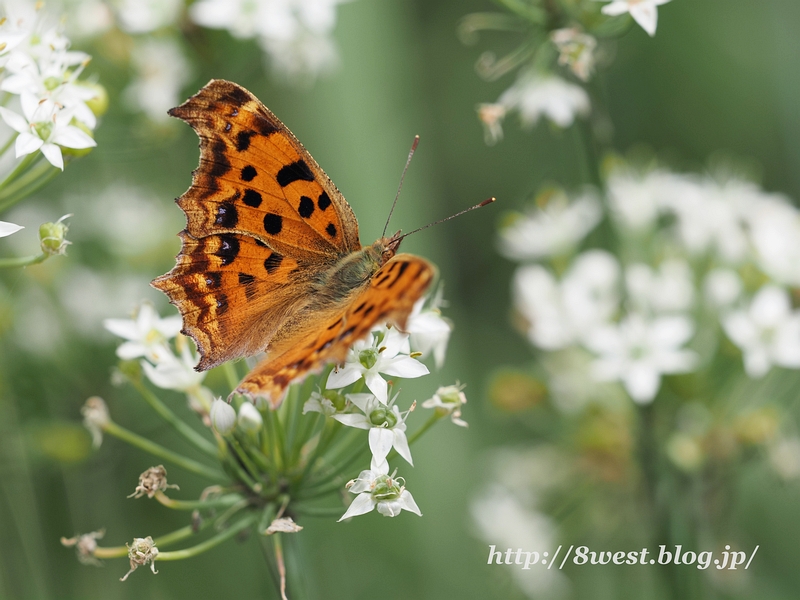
{"type": "Point", "coordinates": [223, 417]}
{"type": "Point", "coordinates": [98, 104]}
{"type": "Point", "coordinates": [52, 237]}
{"type": "Point", "coordinates": [249, 417]}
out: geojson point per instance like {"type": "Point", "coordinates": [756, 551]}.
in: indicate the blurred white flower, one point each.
{"type": "Point", "coordinates": [670, 288]}
{"type": "Point", "coordinates": [784, 455]}
{"type": "Point", "coordinates": [558, 315]}
{"type": "Point", "coordinates": [429, 332]}
{"type": "Point", "coordinates": [176, 372]}
{"type": "Point", "coordinates": [774, 226]}
{"type": "Point", "coordinates": [534, 95]}
{"type": "Point", "coordinates": [491, 115]}
{"type": "Point", "coordinates": [553, 229]}
{"type": "Point", "coordinates": [637, 352]}
{"type": "Point", "coordinates": [45, 127]}
{"type": "Point", "coordinates": [146, 334]}
{"type": "Point", "coordinates": [448, 400]}
{"type": "Point", "coordinates": [386, 351]}
{"type": "Point", "coordinates": [386, 426]}
{"type": "Point", "coordinates": [644, 12]}
{"type": "Point", "coordinates": [161, 72]}
{"type": "Point", "coordinates": [295, 34]}
{"type": "Point", "coordinates": [575, 50]}
{"type": "Point", "coordinates": [249, 418]}
{"type": "Point", "coordinates": [634, 198]}
{"type": "Point", "coordinates": [145, 16]}
{"type": "Point", "coordinates": [722, 287]}
{"type": "Point", "coordinates": [376, 487]}
{"type": "Point", "coordinates": [767, 331]}
{"type": "Point", "coordinates": [7, 229]}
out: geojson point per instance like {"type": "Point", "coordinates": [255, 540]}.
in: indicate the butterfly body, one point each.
{"type": "Point", "coordinates": [271, 259]}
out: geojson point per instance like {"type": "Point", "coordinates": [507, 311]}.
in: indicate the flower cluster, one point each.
{"type": "Point", "coordinates": [562, 36]}
{"type": "Point", "coordinates": [53, 110]}
{"type": "Point", "coordinates": [718, 247]}
{"type": "Point", "coordinates": [276, 462]}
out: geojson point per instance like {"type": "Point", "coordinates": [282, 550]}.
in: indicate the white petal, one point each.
{"type": "Point", "coordinates": [671, 332]}
{"type": "Point", "coordinates": [377, 385]}
{"type": "Point", "coordinates": [407, 500]}
{"type": "Point", "coordinates": [756, 362]}
{"type": "Point", "coordinates": [53, 154]}
{"type": "Point", "coordinates": [169, 327]}
{"type": "Point", "coordinates": [72, 137]}
{"type": "Point", "coordinates": [618, 7]}
{"type": "Point", "coordinates": [401, 445]}
{"type": "Point", "coordinates": [362, 400]}
{"type": "Point", "coordinates": [27, 143]}
{"type": "Point", "coordinates": [9, 228]}
{"type": "Point", "coordinates": [13, 120]}
{"type": "Point", "coordinates": [406, 367]}
{"type": "Point", "coordinates": [343, 377]}
{"type": "Point", "coordinates": [130, 350]}
{"type": "Point", "coordinates": [361, 505]}
{"type": "Point", "coordinates": [380, 442]}
{"type": "Point", "coordinates": [124, 328]}
{"type": "Point", "coordinates": [642, 383]}
{"type": "Point", "coordinates": [645, 15]}
{"type": "Point", "coordinates": [353, 420]}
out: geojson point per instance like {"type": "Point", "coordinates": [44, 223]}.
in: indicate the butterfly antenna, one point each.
{"type": "Point", "coordinates": [458, 214]}
{"type": "Point", "coordinates": [399, 187]}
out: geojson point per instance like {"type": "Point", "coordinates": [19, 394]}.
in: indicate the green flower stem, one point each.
{"type": "Point", "coordinates": [192, 436]}
{"type": "Point", "coordinates": [30, 182]}
{"type": "Point", "coordinates": [222, 501]}
{"type": "Point", "coordinates": [251, 469]}
{"type": "Point", "coordinates": [19, 170]}
{"type": "Point", "coordinates": [23, 261]}
{"type": "Point", "coordinates": [291, 409]}
{"type": "Point", "coordinates": [210, 543]}
{"type": "Point", "coordinates": [254, 453]}
{"type": "Point", "coordinates": [267, 516]}
{"type": "Point", "coordinates": [10, 141]}
{"type": "Point", "coordinates": [309, 424]}
{"type": "Point", "coordinates": [231, 376]}
{"type": "Point", "coordinates": [113, 552]}
{"type": "Point", "coordinates": [339, 465]}
{"type": "Point", "coordinates": [328, 432]}
{"type": "Point", "coordinates": [240, 472]}
{"type": "Point", "coordinates": [275, 438]}
{"type": "Point", "coordinates": [157, 450]}
{"type": "Point", "coordinates": [221, 520]}
{"type": "Point", "coordinates": [163, 540]}
{"type": "Point", "coordinates": [321, 490]}
{"type": "Point", "coordinates": [436, 416]}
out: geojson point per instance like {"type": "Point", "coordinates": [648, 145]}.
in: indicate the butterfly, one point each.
{"type": "Point", "coordinates": [270, 258]}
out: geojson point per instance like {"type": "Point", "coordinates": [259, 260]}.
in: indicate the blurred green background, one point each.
{"type": "Point", "coordinates": [718, 76]}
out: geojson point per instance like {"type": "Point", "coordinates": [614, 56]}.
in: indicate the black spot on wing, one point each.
{"type": "Point", "coordinates": [324, 201]}
{"type": "Point", "coordinates": [243, 140]}
{"type": "Point", "coordinates": [273, 223]}
{"type": "Point", "coordinates": [213, 280]}
{"type": "Point", "coordinates": [272, 262]}
{"type": "Point", "coordinates": [219, 163]}
{"type": "Point", "coordinates": [296, 171]}
{"type": "Point", "coordinates": [403, 267]}
{"type": "Point", "coordinates": [331, 229]}
{"type": "Point", "coordinates": [306, 207]}
{"type": "Point", "coordinates": [246, 279]}
{"type": "Point", "coordinates": [252, 198]}
{"type": "Point", "coordinates": [228, 249]}
{"type": "Point", "coordinates": [227, 216]}
{"type": "Point", "coordinates": [249, 173]}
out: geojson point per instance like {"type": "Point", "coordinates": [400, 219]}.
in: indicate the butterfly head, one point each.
{"type": "Point", "coordinates": [386, 247]}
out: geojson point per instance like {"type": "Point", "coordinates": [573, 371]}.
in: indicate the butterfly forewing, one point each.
{"type": "Point", "coordinates": [389, 297]}
{"type": "Point", "coordinates": [255, 178]}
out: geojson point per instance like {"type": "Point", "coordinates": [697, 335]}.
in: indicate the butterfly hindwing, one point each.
{"type": "Point", "coordinates": [257, 179]}
{"type": "Point", "coordinates": [233, 294]}
{"type": "Point", "coordinates": [389, 297]}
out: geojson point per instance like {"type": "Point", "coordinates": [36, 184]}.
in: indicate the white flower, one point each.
{"type": "Point", "coordinates": [386, 351]}
{"type": "Point", "coordinates": [175, 372]}
{"type": "Point", "coordinates": [722, 287]}
{"type": "Point", "coordinates": [784, 455]}
{"type": "Point", "coordinates": [223, 417]}
{"type": "Point", "coordinates": [449, 400]}
{"type": "Point", "coordinates": [575, 50]}
{"type": "Point", "coordinates": [161, 71]}
{"type": "Point", "coordinates": [634, 198]}
{"type": "Point", "coordinates": [328, 403]}
{"type": "Point", "coordinates": [668, 289]}
{"type": "Point", "coordinates": [144, 16]}
{"type": "Point", "coordinates": [558, 315]}
{"type": "Point", "coordinates": [45, 127]}
{"type": "Point", "coordinates": [491, 115]}
{"type": "Point", "coordinates": [637, 352]}
{"type": "Point", "coordinates": [377, 488]}
{"type": "Point", "coordinates": [644, 12]}
{"type": "Point", "coordinates": [768, 331]}
{"type": "Point", "coordinates": [428, 330]}
{"type": "Point", "coordinates": [295, 34]}
{"type": "Point", "coordinates": [95, 418]}
{"type": "Point", "coordinates": [553, 229]}
{"type": "Point", "coordinates": [7, 229]}
{"type": "Point", "coordinates": [386, 426]}
{"type": "Point", "coordinates": [535, 95]}
{"type": "Point", "coordinates": [774, 227]}
{"type": "Point", "coordinates": [147, 333]}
